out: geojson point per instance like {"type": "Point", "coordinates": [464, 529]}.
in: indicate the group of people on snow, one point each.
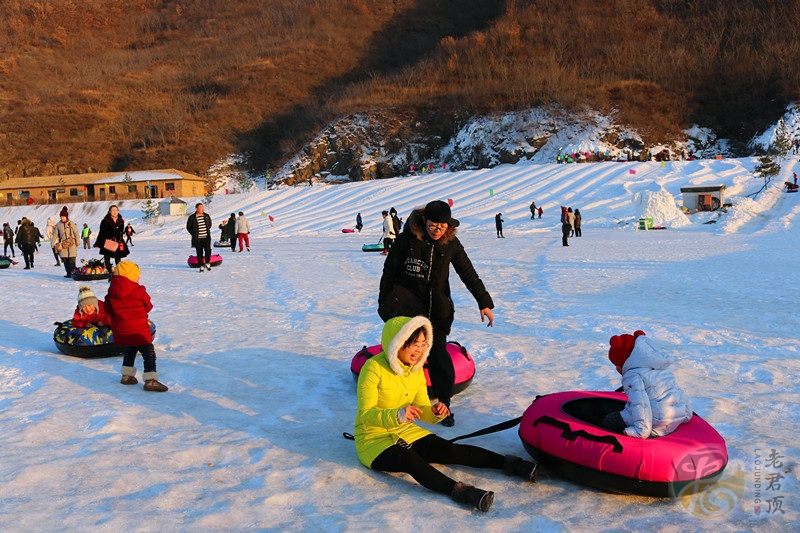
{"type": "Point", "coordinates": [125, 310]}
{"type": "Point", "coordinates": [423, 168]}
{"type": "Point", "coordinates": [625, 155]}
{"type": "Point", "coordinates": [535, 211]}
{"type": "Point", "coordinates": [392, 225]}
{"type": "Point", "coordinates": [415, 303]}
{"type": "Point", "coordinates": [64, 238]}
{"type": "Point", "coordinates": [570, 224]}
{"type": "Point", "coordinates": [233, 230]}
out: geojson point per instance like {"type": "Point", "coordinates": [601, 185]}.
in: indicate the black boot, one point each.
{"type": "Point", "coordinates": [517, 466]}
{"type": "Point", "coordinates": [480, 499]}
{"type": "Point", "coordinates": [450, 420]}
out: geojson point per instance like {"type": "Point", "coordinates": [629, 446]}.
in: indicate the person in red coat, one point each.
{"type": "Point", "coordinates": [127, 304]}
{"type": "Point", "coordinates": [90, 311]}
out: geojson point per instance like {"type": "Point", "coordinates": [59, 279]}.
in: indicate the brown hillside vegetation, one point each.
{"type": "Point", "coordinates": [116, 85]}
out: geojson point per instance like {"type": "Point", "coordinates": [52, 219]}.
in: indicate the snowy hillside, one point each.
{"type": "Point", "coordinates": [256, 354]}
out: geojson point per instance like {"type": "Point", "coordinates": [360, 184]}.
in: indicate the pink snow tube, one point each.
{"type": "Point", "coordinates": [215, 260]}
{"type": "Point", "coordinates": [562, 431]}
{"type": "Point", "coordinates": [463, 364]}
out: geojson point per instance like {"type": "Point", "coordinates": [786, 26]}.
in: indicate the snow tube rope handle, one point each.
{"type": "Point", "coordinates": [570, 435]}
{"type": "Point", "coordinates": [508, 424]}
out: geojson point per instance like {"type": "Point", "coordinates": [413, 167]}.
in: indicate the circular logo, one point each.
{"type": "Point", "coordinates": [715, 496]}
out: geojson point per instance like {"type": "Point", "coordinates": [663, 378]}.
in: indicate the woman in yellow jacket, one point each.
{"type": "Point", "coordinates": [392, 394]}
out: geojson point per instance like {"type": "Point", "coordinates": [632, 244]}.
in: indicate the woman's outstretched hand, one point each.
{"type": "Point", "coordinates": [486, 312]}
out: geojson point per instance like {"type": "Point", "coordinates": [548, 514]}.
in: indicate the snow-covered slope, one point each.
{"type": "Point", "coordinates": [256, 354]}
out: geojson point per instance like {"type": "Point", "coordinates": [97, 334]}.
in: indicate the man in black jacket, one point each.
{"type": "Point", "coordinates": [416, 281]}
{"type": "Point", "coordinates": [27, 237]}
{"type": "Point", "coordinates": [199, 225]}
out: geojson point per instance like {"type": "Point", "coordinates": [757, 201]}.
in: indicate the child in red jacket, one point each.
{"type": "Point", "coordinates": [128, 303]}
{"type": "Point", "coordinates": [90, 311]}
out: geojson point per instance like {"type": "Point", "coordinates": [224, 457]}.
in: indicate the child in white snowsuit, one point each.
{"type": "Point", "coordinates": [656, 405]}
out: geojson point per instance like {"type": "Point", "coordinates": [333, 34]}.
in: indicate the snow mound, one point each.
{"type": "Point", "coordinates": [661, 207]}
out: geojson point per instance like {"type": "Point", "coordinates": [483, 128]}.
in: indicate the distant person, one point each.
{"type": "Point", "coordinates": [230, 229]}
{"type": "Point", "coordinates": [85, 234]}
{"type": "Point", "coordinates": [129, 232]}
{"type": "Point", "coordinates": [243, 231]}
{"type": "Point", "coordinates": [540, 211]}
{"type": "Point", "coordinates": [388, 234]}
{"type": "Point", "coordinates": [199, 227]}
{"type": "Point", "coordinates": [396, 221]}
{"type": "Point", "coordinates": [498, 224]}
{"type": "Point", "coordinates": [223, 232]}
{"type": "Point", "coordinates": [359, 222]}
{"type": "Point", "coordinates": [26, 240]}
{"type": "Point", "coordinates": [571, 217]}
{"type": "Point", "coordinates": [656, 404]}
{"type": "Point", "coordinates": [577, 223]}
{"type": "Point", "coordinates": [66, 236]}
{"type": "Point", "coordinates": [48, 236]}
{"type": "Point", "coordinates": [127, 303]}
{"type": "Point", "coordinates": [16, 233]}
{"type": "Point", "coordinates": [8, 239]}
{"type": "Point", "coordinates": [110, 237]}
{"type": "Point", "coordinates": [565, 226]}
{"type": "Point", "coordinates": [533, 210]}
{"type": "Point", "coordinates": [38, 238]}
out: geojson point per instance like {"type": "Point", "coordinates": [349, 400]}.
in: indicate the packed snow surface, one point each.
{"type": "Point", "coordinates": [257, 352]}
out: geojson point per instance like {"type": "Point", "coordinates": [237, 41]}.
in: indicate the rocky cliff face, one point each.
{"type": "Point", "coordinates": [373, 145]}
{"type": "Point", "coordinates": [384, 144]}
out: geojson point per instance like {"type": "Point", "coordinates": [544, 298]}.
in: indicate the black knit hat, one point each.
{"type": "Point", "coordinates": [438, 212]}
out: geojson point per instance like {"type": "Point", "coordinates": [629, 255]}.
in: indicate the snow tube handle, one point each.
{"type": "Point", "coordinates": [508, 424]}
{"type": "Point", "coordinates": [570, 435]}
{"type": "Point", "coordinates": [363, 352]}
{"type": "Point", "coordinates": [463, 350]}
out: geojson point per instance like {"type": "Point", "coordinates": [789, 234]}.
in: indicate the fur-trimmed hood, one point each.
{"type": "Point", "coordinates": [396, 332]}
{"type": "Point", "coordinates": [416, 225]}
